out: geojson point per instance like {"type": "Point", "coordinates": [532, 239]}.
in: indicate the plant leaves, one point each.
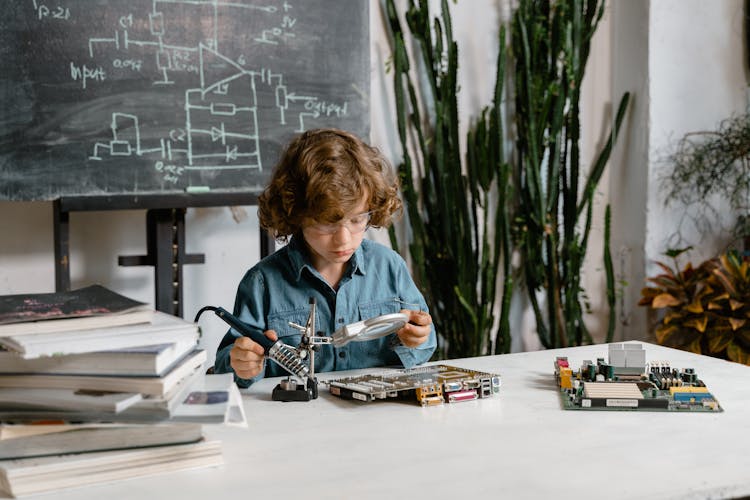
{"type": "Point", "coordinates": [699, 323]}
{"type": "Point", "coordinates": [736, 353]}
{"type": "Point", "coordinates": [675, 252]}
{"type": "Point", "coordinates": [694, 307]}
{"type": "Point", "coordinates": [714, 306]}
{"type": "Point", "coordinates": [668, 271]}
{"type": "Point", "coordinates": [694, 346]}
{"type": "Point", "coordinates": [736, 323]}
{"type": "Point", "coordinates": [718, 340]}
{"type": "Point", "coordinates": [663, 332]}
{"type": "Point", "coordinates": [664, 300]}
{"type": "Point", "coordinates": [743, 336]}
{"type": "Point", "coordinates": [670, 315]}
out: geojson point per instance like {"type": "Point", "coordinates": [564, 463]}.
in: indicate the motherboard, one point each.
{"type": "Point", "coordinates": [427, 385]}
{"type": "Point", "coordinates": [626, 382]}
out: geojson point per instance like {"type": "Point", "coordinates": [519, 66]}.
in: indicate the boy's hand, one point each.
{"type": "Point", "coordinates": [417, 330]}
{"type": "Point", "coordinates": [246, 356]}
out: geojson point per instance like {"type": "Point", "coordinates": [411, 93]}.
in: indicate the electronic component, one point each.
{"type": "Point", "coordinates": [627, 382]}
{"type": "Point", "coordinates": [300, 361]}
{"type": "Point", "coordinates": [428, 385]}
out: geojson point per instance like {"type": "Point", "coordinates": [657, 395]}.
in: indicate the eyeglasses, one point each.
{"type": "Point", "coordinates": [355, 225]}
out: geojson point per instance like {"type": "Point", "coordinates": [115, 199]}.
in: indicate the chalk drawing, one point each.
{"type": "Point", "coordinates": [220, 126]}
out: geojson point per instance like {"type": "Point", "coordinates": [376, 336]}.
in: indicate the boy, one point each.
{"type": "Point", "coordinates": [327, 189]}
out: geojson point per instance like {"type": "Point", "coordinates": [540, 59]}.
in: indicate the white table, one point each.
{"type": "Point", "coordinates": [517, 445]}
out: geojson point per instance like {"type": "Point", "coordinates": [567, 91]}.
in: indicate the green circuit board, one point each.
{"type": "Point", "coordinates": [627, 383]}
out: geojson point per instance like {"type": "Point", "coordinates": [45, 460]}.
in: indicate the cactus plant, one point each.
{"type": "Point", "coordinates": [550, 42]}
{"type": "Point", "coordinates": [462, 215]}
{"type": "Point", "coordinates": [459, 228]}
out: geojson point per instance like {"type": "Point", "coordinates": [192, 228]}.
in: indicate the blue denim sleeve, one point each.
{"type": "Point", "coordinates": [248, 307]}
{"type": "Point", "coordinates": [413, 299]}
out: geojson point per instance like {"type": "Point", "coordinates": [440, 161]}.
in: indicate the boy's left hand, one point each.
{"type": "Point", "coordinates": [417, 330]}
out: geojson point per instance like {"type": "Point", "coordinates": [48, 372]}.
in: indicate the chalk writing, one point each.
{"type": "Point", "coordinates": [277, 33]}
{"type": "Point", "coordinates": [143, 94]}
{"type": "Point", "coordinates": [84, 74]}
{"type": "Point", "coordinates": [221, 127]}
{"type": "Point", "coordinates": [134, 64]}
{"type": "Point", "coordinates": [172, 173]}
{"type": "Point", "coordinates": [55, 12]}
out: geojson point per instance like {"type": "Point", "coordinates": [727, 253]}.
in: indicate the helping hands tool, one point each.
{"type": "Point", "coordinates": [300, 361]}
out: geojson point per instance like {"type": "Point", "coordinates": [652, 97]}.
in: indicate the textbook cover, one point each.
{"type": "Point", "coordinates": [90, 307]}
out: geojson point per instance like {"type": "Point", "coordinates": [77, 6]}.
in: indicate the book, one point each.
{"type": "Point", "coordinates": [164, 328]}
{"type": "Point", "coordinates": [29, 476]}
{"type": "Point", "coordinates": [57, 439]}
{"type": "Point", "coordinates": [11, 431]}
{"type": "Point", "coordinates": [150, 408]}
{"type": "Point", "coordinates": [153, 407]}
{"type": "Point", "coordinates": [90, 307]}
{"type": "Point", "coordinates": [144, 385]}
{"type": "Point", "coordinates": [148, 360]}
{"type": "Point", "coordinates": [66, 399]}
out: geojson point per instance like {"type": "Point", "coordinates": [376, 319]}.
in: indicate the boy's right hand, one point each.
{"type": "Point", "coordinates": [246, 356]}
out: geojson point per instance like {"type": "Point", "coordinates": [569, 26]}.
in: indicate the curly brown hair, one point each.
{"type": "Point", "coordinates": [324, 174]}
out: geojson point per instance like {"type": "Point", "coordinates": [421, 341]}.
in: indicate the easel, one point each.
{"type": "Point", "coordinates": [165, 237]}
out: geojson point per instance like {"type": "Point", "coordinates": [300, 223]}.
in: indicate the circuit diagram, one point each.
{"type": "Point", "coordinates": [163, 96]}
{"type": "Point", "coordinates": [221, 128]}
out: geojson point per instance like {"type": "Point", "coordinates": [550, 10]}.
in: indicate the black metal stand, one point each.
{"type": "Point", "coordinates": [165, 237]}
{"type": "Point", "coordinates": [165, 242]}
{"type": "Point", "coordinates": [289, 390]}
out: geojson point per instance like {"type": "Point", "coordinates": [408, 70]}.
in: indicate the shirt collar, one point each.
{"type": "Point", "coordinates": [298, 259]}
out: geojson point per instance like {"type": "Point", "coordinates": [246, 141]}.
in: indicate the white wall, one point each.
{"type": "Point", "coordinates": [697, 79]}
{"type": "Point", "coordinates": [629, 162]}
{"type": "Point", "coordinates": [692, 91]}
{"type": "Point", "coordinates": [683, 60]}
{"type": "Point", "coordinates": [98, 238]}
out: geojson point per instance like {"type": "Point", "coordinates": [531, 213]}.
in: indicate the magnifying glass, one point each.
{"type": "Point", "coordinates": [369, 329]}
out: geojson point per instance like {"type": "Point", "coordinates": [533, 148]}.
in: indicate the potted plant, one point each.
{"type": "Point", "coordinates": [704, 309]}
{"type": "Point", "coordinates": [466, 215]}
{"type": "Point", "coordinates": [714, 163]}
{"type": "Point", "coordinates": [457, 205]}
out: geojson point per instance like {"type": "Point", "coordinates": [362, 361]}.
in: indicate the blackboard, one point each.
{"type": "Point", "coordinates": [152, 97]}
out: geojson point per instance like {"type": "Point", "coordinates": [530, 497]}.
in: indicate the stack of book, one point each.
{"type": "Point", "coordinates": [95, 387]}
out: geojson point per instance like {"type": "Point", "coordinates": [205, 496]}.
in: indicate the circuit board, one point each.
{"type": "Point", "coordinates": [428, 385]}
{"type": "Point", "coordinates": [627, 382]}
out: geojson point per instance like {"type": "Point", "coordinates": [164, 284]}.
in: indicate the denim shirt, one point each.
{"type": "Point", "coordinates": [278, 289]}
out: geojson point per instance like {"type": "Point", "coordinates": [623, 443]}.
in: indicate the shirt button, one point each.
{"type": "Point", "coordinates": [342, 354]}
{"type": "Point", "coordinates": [341, 320]}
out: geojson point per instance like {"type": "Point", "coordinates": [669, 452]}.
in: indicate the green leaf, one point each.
{"type": "Point", "coordinates": [676, 252]}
